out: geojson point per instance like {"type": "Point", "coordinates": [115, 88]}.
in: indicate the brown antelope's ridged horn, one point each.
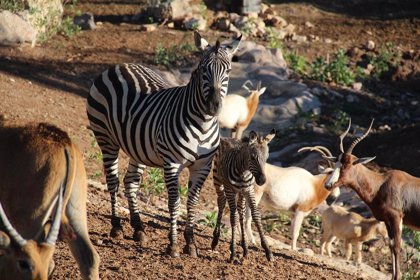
{"type": "Point", "coordinates": [355, 142]}
{"type": "Point", "coordinates": [10, 230]}
{"type": "Point", "coordinates": [343, 135]}
{"type": "Point", "coordinates": [55, 227]}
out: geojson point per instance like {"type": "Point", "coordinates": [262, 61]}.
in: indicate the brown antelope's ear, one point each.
{"type": "Point", "coordinates": [363, 160]}
{"type": "Point", "coordinates": [253, 137]}
{"type": "Point", "coordinates": [330, 159]}
{"type": "Point", "coordinates": [270, 136]}
{"type": "Point", "coordinates": [261, 91]}
{"type": "Point", "coordinates": [4, 240]}
{"type": "Point", "coordinates": [200, 42]}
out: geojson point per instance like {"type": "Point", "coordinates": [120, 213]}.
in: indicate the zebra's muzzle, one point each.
{"type": "Point", "coordinates": [214, 102]}
{"type": "Point", "coordinates": [260, 180]}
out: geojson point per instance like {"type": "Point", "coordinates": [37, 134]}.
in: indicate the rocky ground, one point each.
{"type": "Point", "coordinates": [50, 81]}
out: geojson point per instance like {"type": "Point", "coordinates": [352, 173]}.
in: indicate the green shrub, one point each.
{"type": "Point", "coordinates": [273, 39]}
{"type": "Point", "coordinates": [297, 63]}
{"type": "Point", "coordinates": [338, 70]}
{"type": "Point", "coordinates": [12, 5]}
{"type": "Point", "coordinates": [155, 183]}
{"type": "Point", "coordinates": [319, 70]}
{"type": "Point", "coordinates": [173, 55]}
{"type": "Point", "coordinates": [210, 219]}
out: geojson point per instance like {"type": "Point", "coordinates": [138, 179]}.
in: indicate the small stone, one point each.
{"type": "Point", "coordinates": [327, 41]}
{"type": "Point", "coordinates": [357, 86]}
{"type": "Point", "coordinates": [85, 21]}
{"type": "Point", "coordinates": [263, 8]}
{"type": "Point", "coordinates": [148, 27]}
{"type": "Point", "coordinates": [289, 29]}
{"type": "Point", "coordinates": [370, 45]}
{"type": "Point", "coordinates": [309, 24]}
{"type": "Point", "coordinates": [171, 25]}
{"type": "Point", "coordinates": [278, 21]}
{"type": "Point", "coordinates": [235, 30]}
{"type": "Point", "coordinates": [384, 127]}
{"type": "Point", "coordinates": [198, 23]}
{"type": "Point", "coordinates": [299, 38]}
{"type": "Point", "coordinates": [313, 38]}
{"type": "Point", "coordinates": [233, 17]}
{"type": "Point", "coordinates": [223, 24]}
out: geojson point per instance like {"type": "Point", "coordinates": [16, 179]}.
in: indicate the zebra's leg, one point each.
{"type": "Point", "coordinates": [256, 217]}
{"type": "Point", "coordinates": [221, 203]}
{"type": "Point", "coordinates": [198, 174]}
{"type": "Point", "coordinates": [241, 211]}
{"type": "Point", "coordinates": [110, 160]}
{"type": "Point", "coordinates": [231, 198]}
{"type": "Point", "coordinates": [131, 185]}
{"type": "Point", "coordinates": [171, 172]}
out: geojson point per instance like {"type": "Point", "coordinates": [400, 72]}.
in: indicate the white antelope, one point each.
{"type": "Point", "coordinates": [34, 161]}
{"type": "Point", "coordinates": [237, 111]}
{"type": "Point", "coordinates": [393, 196]}
{"type": "Point", "coordinates": [351, 227]}
{"type": "Point", "coordinates": [293, 189]}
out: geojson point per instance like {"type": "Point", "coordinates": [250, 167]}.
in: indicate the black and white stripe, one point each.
{"type": "Point", "coordinates": [131, 108]}
{"type": "Point", "coordinates": [238, 165]}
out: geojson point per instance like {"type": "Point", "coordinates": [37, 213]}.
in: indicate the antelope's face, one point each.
{"type": "Point", "coordinates": [29, 262]}
{"type": "Point", "coordinates": [214, 69]}
{"type": "Point", "coordinates": [258, 151]}
{"type": "Point", "coordinates": [344, 170]}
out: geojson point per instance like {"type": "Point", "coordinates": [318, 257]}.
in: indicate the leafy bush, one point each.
{"type": "Point", "coordinates": [319, 70]}
{"type": "Point", "coordinates": [155, 183]}
{"type": "Point", "coordinates": [386, 57]}
{"type": "Point", "coordinates": [172, 56]}
{"type": "Point", "coordinates": [210, 219]}
{"type": "Point", "coordinates": [12, 5]}
{"type": "Point", "coordinates": [297, 63]}
{"type": "Point", "coordinates": [273, 39]}
{"type": "Point", "coordinates": [338, 70]}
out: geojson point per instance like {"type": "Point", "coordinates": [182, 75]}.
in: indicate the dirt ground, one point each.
{"type": "Point", "coordinates": [50, 82]}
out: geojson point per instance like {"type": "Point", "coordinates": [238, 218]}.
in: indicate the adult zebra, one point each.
{"type": "Point", "coordinates": [130, 108]}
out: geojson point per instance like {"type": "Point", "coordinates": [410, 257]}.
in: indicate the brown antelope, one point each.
{"type": "Point", "coordinates": [237, 111]}
{"type": "Point", "coordinates": [293, 189]}
{"type": "Point", "coordinates": [34, 161]}
{"type": "Point", "coordinates": [393, 197]}
{"type": "Point", "coordinates": [351, 227]}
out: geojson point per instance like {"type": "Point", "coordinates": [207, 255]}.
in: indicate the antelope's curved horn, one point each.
{"type": "Point", "coordinates": [10, 230]}
{"type": "Point", "coordinates": [355, 142]}
{"type": "Point", "coordinates": [259, 85]}
{"type": "Point", "coordinates": [55, 227]}
{"type": "Point", "coordinates": [247, 82]}
{"type": "Point", "coordinates": [324, 151]}
{"type": "Point", "coordinates": [343, 135]}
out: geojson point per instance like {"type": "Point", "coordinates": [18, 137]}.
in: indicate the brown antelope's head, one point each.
{"type": "Point", "coordinates": [344, 164]}
{"type": "Point", "coordinates": [258, 91]}
{"type": "Point", "coordinates": [27, 259]}
{"type": "Point", "coordinates": [258, 152]}
{"type": "Point", "coordinates": [325, 152]}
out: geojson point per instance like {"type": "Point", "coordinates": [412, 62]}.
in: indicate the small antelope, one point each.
{"type": "Point", "coordinates": [393, 197]}
{"type": "Point", "coordinates": [293, 189]}
{"type": "Point", "coordinates": [34, 161]}
{"type": "Point", "coordinates": [238, 164]}
{"type": "Point", "coordinates": [237, 111]}
{"type": "Point", "coordinates": [351, 227]}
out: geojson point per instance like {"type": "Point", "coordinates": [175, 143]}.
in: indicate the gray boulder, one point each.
{"type": "Point", "coordinates": [15, 29]}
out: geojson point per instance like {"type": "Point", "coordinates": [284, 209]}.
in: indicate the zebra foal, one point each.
{"type": "Point", "coordinates": [238, 164]}
{"type": "Point", "coordinates": [131, 108]}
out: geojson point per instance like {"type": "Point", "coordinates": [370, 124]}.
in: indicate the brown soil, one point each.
{"type": "Point", "coordinates": [50, 83]}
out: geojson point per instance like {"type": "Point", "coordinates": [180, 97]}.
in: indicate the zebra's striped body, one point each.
{"type": "Point", "coordinates": [237, 165]}
{"type": "Point", "coordinates": [131, 108]}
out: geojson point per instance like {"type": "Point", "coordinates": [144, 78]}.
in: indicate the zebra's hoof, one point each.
{"type": "Point", "coordinates": [269, 256]}
{"type": "Point", "coordinates": [116, 232]}
{"type": "Point", "coordinates": [173, 251]}
{"type": "Point", "coordinates": [214, 244]}
{"type": "Point", "coordinates": [140, 236]}
{"type": "Point", "coordinates": [191, 250]}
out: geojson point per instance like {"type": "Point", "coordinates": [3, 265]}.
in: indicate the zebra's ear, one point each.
{"type": "Point", "coordinates": [234, 45]}
{"type": "Point", "coordinates": [253, 137]}
{"type": "Point", "coordinates": [200, 42]}
{"type": "Point", "coordinates": [270, 136]}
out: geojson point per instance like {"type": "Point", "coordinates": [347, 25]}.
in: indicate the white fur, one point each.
{"type": "Point", "coordinates": [234, 110]}
{"type": "Point", "coordinates": [285, 189]}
